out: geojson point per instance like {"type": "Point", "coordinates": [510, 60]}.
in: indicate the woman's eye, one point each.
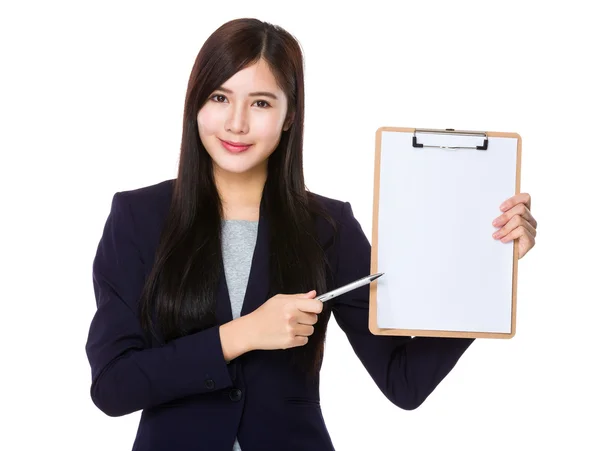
{"type": "Point", "coordinates": [220, 98]}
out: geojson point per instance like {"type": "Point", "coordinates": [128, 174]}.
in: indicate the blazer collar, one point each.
{"type": "Point", "coordinates": [258, 280]}
{"type": "Point", "coordinates": [257, 290]}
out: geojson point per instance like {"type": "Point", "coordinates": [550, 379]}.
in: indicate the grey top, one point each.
{"type": "Point", "coordinates": [239, 241]}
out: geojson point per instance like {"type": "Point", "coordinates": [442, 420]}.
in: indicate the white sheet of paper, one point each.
{"type": "Point", "coordinates": [443, 270]}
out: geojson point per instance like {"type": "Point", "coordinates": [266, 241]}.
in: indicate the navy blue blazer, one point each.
{"type": "Point", "coordinates": [190, 398]}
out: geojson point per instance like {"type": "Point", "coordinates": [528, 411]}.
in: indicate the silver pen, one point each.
{"type": "Point", "coordinates": [351, 286]}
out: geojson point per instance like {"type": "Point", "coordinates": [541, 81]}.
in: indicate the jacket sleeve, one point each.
{"type": "Point", "coordinates": [405, 369]}
{"type": "Point", "coordinates": [128, 375]}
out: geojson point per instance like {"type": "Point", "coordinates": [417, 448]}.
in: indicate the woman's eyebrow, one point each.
{"type": "Point", "coordinates": [252, 94]}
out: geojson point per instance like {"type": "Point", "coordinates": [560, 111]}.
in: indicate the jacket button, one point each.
{"type": "Point", "coordinates": [209, 383]}
{"type": "Point", "coordinates": [235, 394]}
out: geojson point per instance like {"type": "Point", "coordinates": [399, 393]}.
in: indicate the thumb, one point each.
{"type": "Point", "coordinates": [310, 294]}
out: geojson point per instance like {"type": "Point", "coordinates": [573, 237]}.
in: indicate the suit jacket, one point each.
{"type": "Point", "coordinates": [190, 398]}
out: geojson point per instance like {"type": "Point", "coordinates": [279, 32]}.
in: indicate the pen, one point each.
{"type": "Point", "coordinates": [351, 286]}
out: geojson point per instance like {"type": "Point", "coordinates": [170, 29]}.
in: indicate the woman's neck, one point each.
{"type": "Point", "coordinates": [240, 194]}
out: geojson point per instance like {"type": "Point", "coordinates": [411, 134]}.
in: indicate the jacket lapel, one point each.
{"type": "Point", "coordinates": [224, 314]}
{"type": "Point", "coordinates": [258, 286]}
{"type": "Point", "coordinates": [258, 280]}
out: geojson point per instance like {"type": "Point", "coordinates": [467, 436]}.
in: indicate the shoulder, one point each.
{"type": "Point", "coordinates": [340, 210]}
{"type": "Point", "coordinates": [147, 207]}
{"type": "Point", "coordinates": [149, 202]}
{"type": "Point", "coordinates": [149, 194]}
{"type": "Point", "coordinates": [345, 224]}
{"type": "Point", "coordinates": [333, 207]}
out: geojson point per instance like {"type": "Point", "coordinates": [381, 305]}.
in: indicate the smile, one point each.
{"type": "Point", "coordinates": [235, 147]}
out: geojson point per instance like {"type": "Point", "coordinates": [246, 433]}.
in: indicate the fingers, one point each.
{"type": "Point", "coordinates": [526, 239]}
{"type": "Point", "coordinates": [309, 305]}
{"type": "Point", "coordinates": [515, 222]}
{"type": "Point", "coordinates": [307, 318]}
{"type": "Point", "coordinates": [523, 198]}
{"type": "Point", "coordinates": [303, 330]}
{"type": "Point", "coordinates": [299, 341]}
{"type": "Point", "coordinates": [301, 334]}
{"type": "Point", "coordinates": [526, 242]}
{"type": "Point", "coordinates": [517, 210]}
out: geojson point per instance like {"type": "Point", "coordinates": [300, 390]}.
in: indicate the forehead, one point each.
{"type": "Point", "coordinates": [257, 77]}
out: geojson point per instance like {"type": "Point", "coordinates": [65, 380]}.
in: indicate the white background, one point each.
{"type": "Point", "coordinates": [91, 100]}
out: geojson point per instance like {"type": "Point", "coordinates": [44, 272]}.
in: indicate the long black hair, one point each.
{"type": "Point", "coordinates": [175, 297]}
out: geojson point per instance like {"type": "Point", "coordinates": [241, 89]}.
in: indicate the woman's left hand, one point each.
{"type": "Point", "coordinates": [517, 223]}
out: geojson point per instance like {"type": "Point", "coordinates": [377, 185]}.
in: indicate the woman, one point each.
{"type": "Point", "coordinates": [207, 319]}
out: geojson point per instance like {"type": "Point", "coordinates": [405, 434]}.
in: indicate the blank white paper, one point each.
{"type": "Point", "coordinates": [443, 270]}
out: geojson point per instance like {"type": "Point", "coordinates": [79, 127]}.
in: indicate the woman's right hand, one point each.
{"type": "Point", "coordinates": [283, 321]}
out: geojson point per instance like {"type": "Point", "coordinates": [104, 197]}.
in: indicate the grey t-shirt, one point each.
{"type": "Point", "coordinates": [239, 240]}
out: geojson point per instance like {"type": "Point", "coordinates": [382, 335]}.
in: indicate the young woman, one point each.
{"type": "Point", "coordinates": [206, 313]}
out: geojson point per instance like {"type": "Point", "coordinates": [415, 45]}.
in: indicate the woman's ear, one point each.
{"type": "Point", "coordinates": [288, 123]}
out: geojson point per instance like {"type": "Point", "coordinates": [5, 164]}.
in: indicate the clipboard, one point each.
{"type": "Point", "coordinates": [436, 193]}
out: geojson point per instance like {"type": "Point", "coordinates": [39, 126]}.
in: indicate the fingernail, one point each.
{"type": "Point", "coordinates": [503, 206]}
{"type": "Point", "coordinates": [496, 221]}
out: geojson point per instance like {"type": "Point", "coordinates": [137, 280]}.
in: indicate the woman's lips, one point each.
{"type": "Point", "coordinates": [234, 147]}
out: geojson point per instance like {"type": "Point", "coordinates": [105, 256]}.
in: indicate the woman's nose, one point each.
{"type": "Point", "coordinates": [237, 121]}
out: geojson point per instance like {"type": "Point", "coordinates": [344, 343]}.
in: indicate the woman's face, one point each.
{"type": "Point", "coordinates": [241, 123]}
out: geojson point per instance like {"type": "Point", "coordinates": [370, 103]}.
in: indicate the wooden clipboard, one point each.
{"type": "Point", "coordinates": [406, 308]}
